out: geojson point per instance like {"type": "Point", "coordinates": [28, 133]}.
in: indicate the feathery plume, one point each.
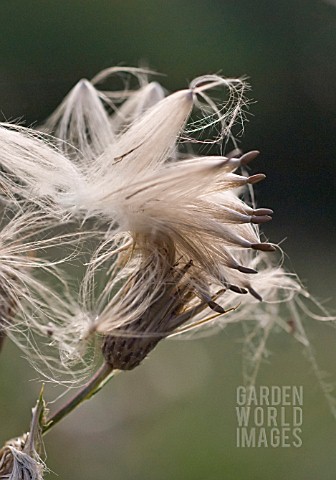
{"type": "Point", "coordinates": [34, 171]}
{"type": "Point", "coordinates": [35, 297]}
{"type": "Point", "coordinates": [81, 116]}
{"type": "Point", "coordinates": [179, 227]}
{"type": "Point", "coordinates": [179, 239]}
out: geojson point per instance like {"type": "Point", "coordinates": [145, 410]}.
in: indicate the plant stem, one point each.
{"type": "Point", "coordinates": [89, 389]}
{"type": "Point", "coordinates": [2, 337]}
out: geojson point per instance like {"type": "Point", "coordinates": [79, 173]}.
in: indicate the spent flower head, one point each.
{"type": "Point", "coordinates": [180, 244]}
{"type": "Point", "coordinates": [20, 458]}
{"type": "Point", "coordinates": [180, 240]}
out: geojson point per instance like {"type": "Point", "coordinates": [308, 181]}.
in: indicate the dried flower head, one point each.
{"type": "Point", "coordinates": [19, 458]}
{"type": "Point", "coordinates": [180, 239]}
{"type": "Point", "coordinates": [181, 242]}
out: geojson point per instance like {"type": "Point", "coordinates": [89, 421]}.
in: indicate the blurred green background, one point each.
{"type": "Point", "coordinates": [174, 417]}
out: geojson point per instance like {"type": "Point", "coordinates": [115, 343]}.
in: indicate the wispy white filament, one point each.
{"type": "Point", "coordinates": [179, 246]}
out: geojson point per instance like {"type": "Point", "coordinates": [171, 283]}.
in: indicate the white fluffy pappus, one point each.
{"type": "Point", "coordinates": [165, 212]}
{"type": "Point", "coordinates": [34, 171]}
{"type": "Point", "coordinates": [35, 297]}
{"type": "Point", "coordinates": [181, 247]}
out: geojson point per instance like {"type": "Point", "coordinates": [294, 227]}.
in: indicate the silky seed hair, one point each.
{"type": "Point", "coordinates": [35, 172]}
{"type": "Point", "coordinates": [35, 293]}
{"type": "Point", "coordinates": [180, 248]}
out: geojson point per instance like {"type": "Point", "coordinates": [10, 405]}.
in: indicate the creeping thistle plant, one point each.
{"type": "Point", "coordinates": [178, 247]}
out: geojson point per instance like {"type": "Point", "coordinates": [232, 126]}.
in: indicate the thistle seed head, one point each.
{"type": "Point", "coordinates": [178, 245]}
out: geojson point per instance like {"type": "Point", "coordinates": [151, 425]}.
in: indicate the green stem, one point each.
{"type": "Point", "coordinates": [86, 392]}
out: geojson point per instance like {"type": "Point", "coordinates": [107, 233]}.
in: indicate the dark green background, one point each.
{"type": "Point", "coordinates": [174, 417]}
